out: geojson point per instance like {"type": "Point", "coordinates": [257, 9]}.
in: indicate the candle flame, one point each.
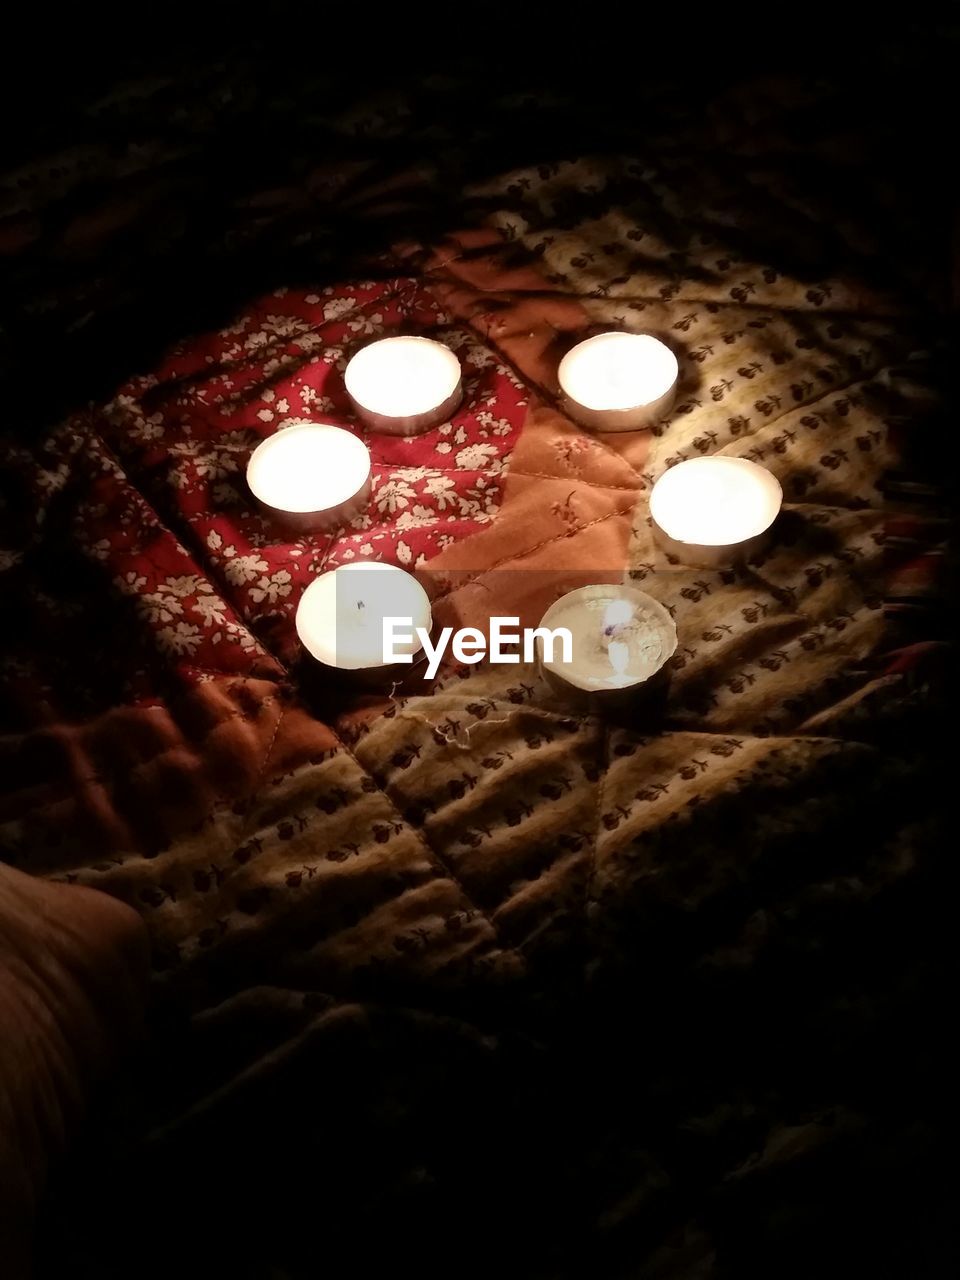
{"type": "Point", "coordinates": [616, 614]}
{"type": "Point", "coordinates": [619, 655]}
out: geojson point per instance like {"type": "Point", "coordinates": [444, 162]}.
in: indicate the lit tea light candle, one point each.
{"type": "Point", "coordinates": [402, 386]}
{"type": "Point", "coordinates": [311, 477]}
{"type": "Point", "coordinates": [340, 615]}
{"type": "Point", "coordinates": [622, 640]}
{"type": "Point", "coordinates": [619, 381]}
{"type": "Point", "coordinates": [709, 512]}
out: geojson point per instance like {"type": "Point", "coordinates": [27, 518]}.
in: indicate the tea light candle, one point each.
{"type": "Point", "coordinates": [340, 614]}
{"type": "Point", "coordinates": [309, 477]}
{"type": "Point", "coordinates": [618, 381]}
{"type": "Point", "coordinates": [402, 386]}
{"type": "Point", "coordinates": [713, 511]}
{"type": "Point", "coordinates": [622, 641]}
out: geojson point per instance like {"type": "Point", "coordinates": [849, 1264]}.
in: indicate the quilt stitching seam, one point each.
{"type": "Point", "coordinates": [557, 537]}
{"type": "Point", "coordinates": [428, 848]}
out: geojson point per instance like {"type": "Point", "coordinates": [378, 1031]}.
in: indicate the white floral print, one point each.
{"type": "Point", "coordinates": [392, 495]}
{"type": "Point", "coordinates": [272, 587]}
{"type": "Point", "coordinates": [243, 569]}
{"type": "Point", "coordinates": [338, 307]}
{"type": "Point", "coordinates": [476, 456]}
{"type": "Point", "coordinates": [180, 639]}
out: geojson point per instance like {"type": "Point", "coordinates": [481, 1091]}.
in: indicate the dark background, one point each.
{"type": "Point", "coordinates": [176, 152]}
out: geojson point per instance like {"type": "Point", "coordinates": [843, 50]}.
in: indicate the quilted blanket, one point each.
{"type": "Point", "coordinates": [462, 979]}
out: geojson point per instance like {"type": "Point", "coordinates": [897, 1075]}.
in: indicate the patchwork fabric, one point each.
{"type": "Point", "coordinates": [471, 947]}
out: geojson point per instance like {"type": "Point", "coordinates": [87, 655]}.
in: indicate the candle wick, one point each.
{"type": "Point", "coordinates": [613, 629]}
{"type": "Point", "coordinates": [360, 604]}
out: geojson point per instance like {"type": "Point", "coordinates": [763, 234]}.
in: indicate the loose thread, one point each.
{"type": "Point", "coordinates": [461, 741]}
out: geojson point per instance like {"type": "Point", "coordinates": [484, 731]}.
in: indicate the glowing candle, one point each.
{"type": "Point", "coordinates": [312, 476]}
{"type": "Point", "coordinates": [619, 654]}
{"type": "Point", "coordinates": [713, 511]}
{"type": "Point", "coordinates": [622, 642]}
{"type": "Point", "coordinates": [340, 615]}
{"type": "Point", "coordinates": [402, 386]}
{"type": "Point", "coordinates": [618, 381]}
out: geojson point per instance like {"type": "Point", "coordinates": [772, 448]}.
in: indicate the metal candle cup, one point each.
{"type": "Point", "coordinates": [311, 477]}
{"type": "Point", "coordinates": [623, 640]}
{"type": "Point", "coordinates": [712, 512]}
{"type": "Point", "coordinates": [403, 386]}
{"type": "Point", "coordinates": [340, 618]}
{"type": "Point", "coordinates": [618, 381]}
